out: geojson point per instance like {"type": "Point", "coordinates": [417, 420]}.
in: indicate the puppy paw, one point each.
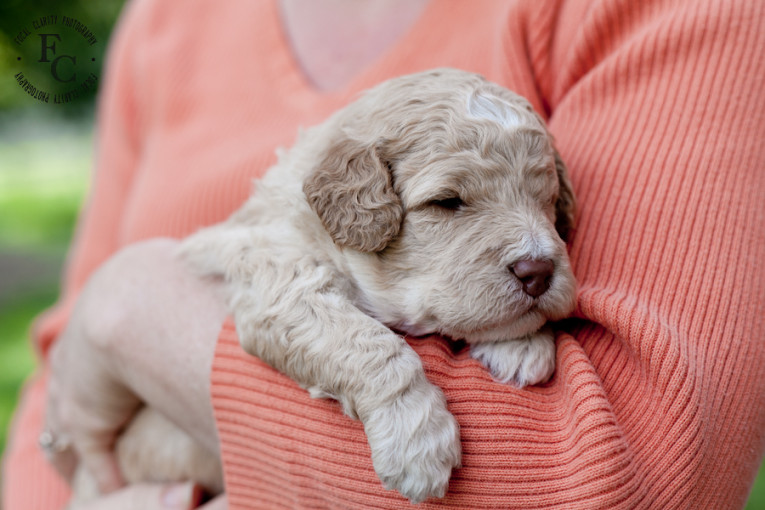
{"type": "Point", "coordinates": [415, 443]}
{"type": "Point", "coordinates": [522, 362]}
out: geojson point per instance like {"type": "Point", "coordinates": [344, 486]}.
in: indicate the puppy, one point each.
{"type": "Point", "coordinates": [435, 203]}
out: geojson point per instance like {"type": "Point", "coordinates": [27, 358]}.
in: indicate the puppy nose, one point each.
{"type": "Point", "coordinates": [534, 274]}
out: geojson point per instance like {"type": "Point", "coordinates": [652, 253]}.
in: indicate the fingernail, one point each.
{"type": "Point", "coordinates": [181, 496]}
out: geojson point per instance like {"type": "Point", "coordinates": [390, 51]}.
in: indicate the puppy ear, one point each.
{"type": "Point", "coordinates": [565, 206]}
{"type": "Point", "coordinates": [351, 190]}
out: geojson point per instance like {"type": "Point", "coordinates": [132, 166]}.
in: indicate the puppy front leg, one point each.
{"type": "Point", "coordinates": [523, 361]}
{"type": "Point", "coordinates": [296, 316]}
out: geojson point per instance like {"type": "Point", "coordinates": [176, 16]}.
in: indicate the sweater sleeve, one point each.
{"type": "Point", "coordinates": [658, 109]}
{"type": "Point", "coordinates": [657, 399]}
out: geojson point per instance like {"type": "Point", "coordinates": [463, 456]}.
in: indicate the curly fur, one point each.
{"type": "Point", "coordinates": [347, 239]}
{"type": "Point", "coordinates": [352, 193]}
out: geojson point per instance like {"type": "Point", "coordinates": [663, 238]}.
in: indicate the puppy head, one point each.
{"type": "Point", "coordinates": [450, 197]}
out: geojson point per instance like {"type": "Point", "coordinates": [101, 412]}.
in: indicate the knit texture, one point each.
{"type": "Point", "coordinates": [658, 108]}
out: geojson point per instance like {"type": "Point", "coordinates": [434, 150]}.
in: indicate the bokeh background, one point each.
{"type": "Point", "coordinates": [45, 161]}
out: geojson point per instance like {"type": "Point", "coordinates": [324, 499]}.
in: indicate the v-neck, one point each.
{"type": "Point", "coordinates": [369, 75]}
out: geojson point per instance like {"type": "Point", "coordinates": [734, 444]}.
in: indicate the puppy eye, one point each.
{"type": "Point", "coordinates": [450, 204]}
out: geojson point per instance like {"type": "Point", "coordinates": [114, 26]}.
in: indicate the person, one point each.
{"type": "Point", "coordinates": [656, 106]}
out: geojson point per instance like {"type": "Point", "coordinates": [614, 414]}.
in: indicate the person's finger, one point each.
{"type": "Point", "coordinates": [102, 465]}
{"type": "Point", "coordinates": [57, 449]}
{"type": "Point", "coordinates": [219, 503]}
{"type": "Point", "coordinates": [65, 462]}
{"type": "Point", "coordinates": [184, 496]}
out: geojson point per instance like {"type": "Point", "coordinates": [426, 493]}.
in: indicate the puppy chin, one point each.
{"type": "Point", "coordinates": [521, 326]}
{"type": "Point", "coordinates": [527, 323]}
{"type": "Point", "coordinates": [412, 329]}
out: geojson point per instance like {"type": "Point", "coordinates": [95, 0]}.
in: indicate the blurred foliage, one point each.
{"type": "Point", "coordinates": [757, 497]}
{"type": "Point", "coordinates": [42, 182]}
{"type": "Point", "coordinates": [20, 49]}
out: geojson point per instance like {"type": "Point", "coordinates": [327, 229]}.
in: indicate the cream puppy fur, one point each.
{"type": "Point", "coordinates": [435, 203]}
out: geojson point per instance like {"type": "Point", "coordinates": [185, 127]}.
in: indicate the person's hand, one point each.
{"type": "Point", "coordinates": [143, 330]}
{"type": "Point", "coordinates": [146, 496]}
{"type": "Point", "coordinates": [87, 402]}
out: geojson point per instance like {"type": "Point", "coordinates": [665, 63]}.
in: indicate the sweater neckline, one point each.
{"type": "Point", "coordinates": [397, 53]}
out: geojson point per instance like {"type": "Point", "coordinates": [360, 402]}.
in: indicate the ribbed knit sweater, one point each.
{"type": "Point", "coordinates": [658, 107]}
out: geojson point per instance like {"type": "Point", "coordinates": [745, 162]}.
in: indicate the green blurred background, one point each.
{"type": "Point", "coordinates": [45, 159]}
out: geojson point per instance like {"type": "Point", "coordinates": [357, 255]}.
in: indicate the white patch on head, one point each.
{"type": "Point", "coordinates": [493, 108]}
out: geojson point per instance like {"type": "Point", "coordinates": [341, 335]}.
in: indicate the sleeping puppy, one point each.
{"type": "Point", "coordinates": [434, 204]}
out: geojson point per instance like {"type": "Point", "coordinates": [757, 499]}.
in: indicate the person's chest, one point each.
{"type": "Point", "coordinates": [217, 99]}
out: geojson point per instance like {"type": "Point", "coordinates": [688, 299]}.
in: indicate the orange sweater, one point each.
{"type": "Point", "coordinates": [657, 106]}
